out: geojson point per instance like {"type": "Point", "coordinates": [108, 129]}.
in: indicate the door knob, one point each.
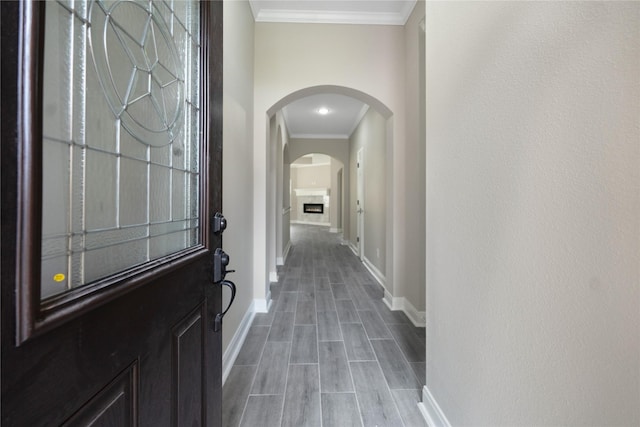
{"type": "Point", "coordinates": [220, 263]}
{"type": "Point", "coordinates": [219, 223]}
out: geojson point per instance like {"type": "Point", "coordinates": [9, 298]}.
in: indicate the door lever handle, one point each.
{"type": "Point", "coordinates": [217, 323]}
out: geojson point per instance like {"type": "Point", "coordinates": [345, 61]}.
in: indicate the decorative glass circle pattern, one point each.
{"type": "Point", "coordinates": [139, 68]}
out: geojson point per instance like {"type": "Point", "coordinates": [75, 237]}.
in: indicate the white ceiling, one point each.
{"type": "Point", "coordinates": [301, 117]}
{"type": "Point", "coordinates": [304, 121]}
{"type": "Point", "coordinates": [314, 159]}
{"type": "Point", "coordinates": [377, 12]}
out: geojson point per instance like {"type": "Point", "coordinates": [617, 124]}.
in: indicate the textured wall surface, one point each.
{"type": "Point", "coordinates": [413, 286]}
{"type": "Point", "coordinates": [533, 212]}
{"type": "Point", "coordinates": [237, 151]}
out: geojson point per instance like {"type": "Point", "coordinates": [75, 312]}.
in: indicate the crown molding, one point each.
{"type": "Point", "coordinates": [361, 115]}
{"type": "Point", "coordinates": [318, 136]}
{"type": "Point", "coordinates": [332, 17]}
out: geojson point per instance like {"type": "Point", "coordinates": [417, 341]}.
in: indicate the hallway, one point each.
{"type": "Point", "coordinates": [330, 352]}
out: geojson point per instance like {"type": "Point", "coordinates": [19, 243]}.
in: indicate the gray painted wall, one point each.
{"type": "Point", "coordinates": [237, 150]}
{"type": "Point", "coordinates": [533, 212]}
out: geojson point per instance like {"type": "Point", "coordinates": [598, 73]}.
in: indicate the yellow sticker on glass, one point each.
{"type": "Point", "coordinates": [58, 277]}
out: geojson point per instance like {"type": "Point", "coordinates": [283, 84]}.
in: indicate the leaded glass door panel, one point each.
{"type": "Point", "coordinates": [121, 137]}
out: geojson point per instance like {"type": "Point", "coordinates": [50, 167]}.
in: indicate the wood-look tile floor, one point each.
{"type": "Point", "coordinates": [329, 353]}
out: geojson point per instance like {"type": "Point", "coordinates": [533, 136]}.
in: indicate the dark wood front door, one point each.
{"type": "Point", "coordinates": [109, 322]}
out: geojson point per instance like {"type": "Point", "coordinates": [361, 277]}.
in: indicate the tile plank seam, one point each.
{"type": "Point", "coordinates": [308, 283]}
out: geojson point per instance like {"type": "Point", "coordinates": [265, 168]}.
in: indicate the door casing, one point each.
{"type": "Point", "coordinates": [360, 201]}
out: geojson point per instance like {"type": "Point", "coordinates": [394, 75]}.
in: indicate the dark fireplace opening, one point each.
{"type": "Point", "coordinates": [313, 208]}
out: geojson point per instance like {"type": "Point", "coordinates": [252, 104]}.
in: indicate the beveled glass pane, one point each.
{"type": "Point", "coordinates": [97, 113]}
{"type": "Point", "coordinates": [102, 239]}
{"type": "Point", "coordinates": [57, 107]}
{"type": "Point", "coordinates": [193, 157]}
{"type": "Point", "coordinates": [131, 148]}
{"type": "Point", "coordinates": [178, 207]}
{"type": "Point", "coordinates": [123, 59]}
{"type": "Point", "coordinates": [167, 244]}
{"type": "Point", "coordinates": [133, 192]}
{"type": "Point", "coordinates": [55, 246]}
{"type": "Point", "coordinates": [101, 192]}
{"type": "Point", "coordinates": [177, 154]}
{"type": "Point", "coordinates": [160, 199]}
{"type": "Point", "coordinates": [76, 265]}
{"type": "Point", "coordinates": [79, 86]}
{"type": "Point", "coordinates": [161, 155]}
{"type": "Point", "coordinates": [55, 189]}
{"type": "Point", "coordinates": [121, 142]}
{"type": "Point", "coordinates": [194, 196]}
{"type": "Point", "coordinates": [181, 12]}
{"type": "Point", "coordinates": [78, 188]}
{"type": "Point", "coordinates": [194, 92]}
{"type": "Point", "coordinates": [55, 276]}
{"type": "Point", "coordinates": [165, 228]}
{"type": "Point", "coordinates": [102, 262]}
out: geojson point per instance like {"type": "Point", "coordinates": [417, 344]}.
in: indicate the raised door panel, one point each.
{"type": "Point", "coordinates": [188, 370]}
{"type": "Point", "coordinates": [114, 406]}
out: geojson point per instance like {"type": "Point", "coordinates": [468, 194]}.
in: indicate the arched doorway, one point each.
{"type": "Point", "coordinates": [316, 191]}
{"type": "Point", "coordinates": [379, 255]}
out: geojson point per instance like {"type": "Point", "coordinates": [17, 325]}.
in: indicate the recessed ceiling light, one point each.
{"type": "Point", "coordinates": [323, 110]}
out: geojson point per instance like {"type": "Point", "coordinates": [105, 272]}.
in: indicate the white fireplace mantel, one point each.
{"type": "Point", "coordinates": [312, 191]}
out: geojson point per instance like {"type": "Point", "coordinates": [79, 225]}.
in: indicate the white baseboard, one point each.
{"type": "Point", "coordinates": [262, 305]}
{"type": "Point", "coordinates": [230, 355]}
{"type": "Point", "coordinates": [394, 303]}
{"type": "Point", "coordinates": [431, 411]}
{"type": "Point", "coordinates": [286, 250]}
{"type": "Point", "coordinates": [273, 277]}
{"type": "Point", "coordinates": [377, 274]}
{"type": "Point", "coordinates": [353, 247]}
{"type": "Point", "coordinates": [282, 260]}
{"type": "Point", "coordinates": [335, 230]}
{"type": "Point", "coordinates": [418, 318]}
